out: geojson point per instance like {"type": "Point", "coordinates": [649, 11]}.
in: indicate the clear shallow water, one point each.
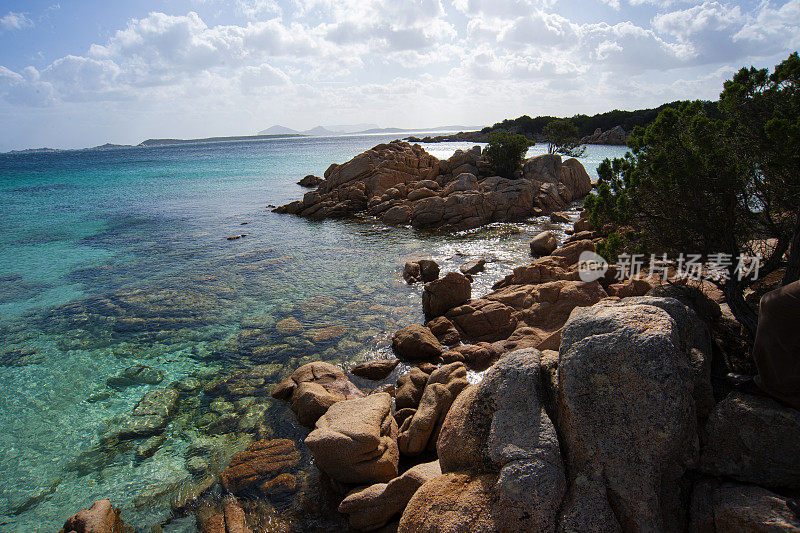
{"type": "Point", "coordinates": [118, 257]}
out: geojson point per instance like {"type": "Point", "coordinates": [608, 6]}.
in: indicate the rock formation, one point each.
{"type": "Point", "coordinates": [400, 183]}
{"type": "Point", "coordinates": [615, 136]}
{"type": "Point", "coordinates": [355, 441]}
{"type": "Point", "coordinates": [313, 388]}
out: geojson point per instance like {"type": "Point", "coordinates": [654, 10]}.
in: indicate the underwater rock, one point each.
{"type": "Point", "coordinates": [150, 415]}
{"type": "Point", "coordinates": [136, 375]}
{"type": "Point", "coordinates": [259, 464]}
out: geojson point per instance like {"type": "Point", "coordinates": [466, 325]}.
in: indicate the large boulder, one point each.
{"type": "Point", "coordinates": [372, 507]}
{"type": "Point", "coordinates": [382, 167]}
{"type": "Point", "coordinates": [499, 455]}
{"type": "Point", "coordinates": [416, 342]}
{"type": "Point", "coordinates": [313, 388]}
{"type": "Point", "coordinates": [544, 243]}
{"type": "Point", "coordinates": [575, 179]}
{"type": "Point", "coordinates": [626, 414]}
{"type": "Point", "coordinates": [441, 295]}
{"type": "Point", "coordinates": [546, 306]}
{"type": "Point", "coordinates": [421, 430]}
{"type": "Point", "coordinates": [753, 439]}
{"type": "Point", "coordinates": [355, 441]}
{"type": "Point", "coordinates": [259, 464]}
{"type": "Point", "coordinates": [101, 517]}
{"type": "Point", "coordinates": [721, 507]}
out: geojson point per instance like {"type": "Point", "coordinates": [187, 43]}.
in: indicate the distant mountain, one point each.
{"type": "Point", "coordinates": [350, 129]}
{"type": "Point", "coordinates": [278, 130]}
{"type": "Point", "coordinates": [319, 131]}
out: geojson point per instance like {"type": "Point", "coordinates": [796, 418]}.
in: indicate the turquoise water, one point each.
{"type": "Point", "coordinates": [117, 257]}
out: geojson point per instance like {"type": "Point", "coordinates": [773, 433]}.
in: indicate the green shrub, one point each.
{"type": "Point", "coordinates": [506, 152]}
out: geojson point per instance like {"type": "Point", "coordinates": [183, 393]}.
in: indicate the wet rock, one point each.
{"type": "Point", "coordinates": [543, 243]}
{"type": "Point", "coordinates": [483, 320]}
{"type": "Point", "coordinates": [260, 463]}
{"type": "Point", "coordinates": [423, 270]}
{"type": "Point", "coordinates": [150, 415]}
{"type": "Point", "coordinates": [255, 381]}
{"type": "Point", "coordinates": [441, 295]}
{"type": "Point", "coordinates": [136, 375]}
{"type": "Point", "coordinates": [289, 326]}
{"type": "Point", "coordinates": [372, 507]}
{"type": "Point", "coordinates": [473, 267]}
{"type": "Point", "coordinates": [410, 387]}
{"type": "Point", "coordinates": [627, 362]}
{"type": "Point", "coordinates": [375, 370]}
{"type": "Point", "coordinates": [753, 439]}
{"type": "Point", "coordinates": [101, 517]}
{"type": "Point", "coordinates": [320, 335]}
{"type": "Point", "coordinates": [421, 430]}
{"type": "Point", "coordinates": [230, 520]}
{"type": "Point", "coordinates": [355, 441]}
{"type": "Point", "coordinates": [746, 508]}
{"type": "Point", "coordinates": [197, 465]}
{"type": "Point", "coordinates": [236, 237]}
{"type": "Point", "coordinates": [416, 342]}
{"type": "Point", "coordinates": [282, 483]}
{"type": "Point", "coordinates": [560, 218]}
{"type": "Point", "coordinates": [149, 447]}
{"type": "Point", "coordinates": [310, 181]}
{"type": "Point", "coordinates": [444, 330]}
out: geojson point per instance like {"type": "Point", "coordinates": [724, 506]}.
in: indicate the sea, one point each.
{"type": "Point", "coordinates": [119, 258]}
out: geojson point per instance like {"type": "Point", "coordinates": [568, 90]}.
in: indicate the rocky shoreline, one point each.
{"type": "Point", "coordinates": [401, 184]}
{"type": "Point", "coordinates": [550, 403]}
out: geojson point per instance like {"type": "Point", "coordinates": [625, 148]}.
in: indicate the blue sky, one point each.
{"type": "Point", "coordinates": [82, 73]}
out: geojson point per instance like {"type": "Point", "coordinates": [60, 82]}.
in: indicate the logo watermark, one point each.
{"type": "Point", "coordinates": [718, 267]}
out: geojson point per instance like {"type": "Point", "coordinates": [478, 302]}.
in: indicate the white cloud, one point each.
{"type": "Point", "coordinates": [15, 21]}
{"type": "Point", "coordinates": [303, 62]}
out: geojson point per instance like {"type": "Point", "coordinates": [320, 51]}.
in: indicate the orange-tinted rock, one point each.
{"type": "Point", "coordinates": [101, 517]}
{"type": "Point", "coordinates": [444, 330]}
{"type": "Point", "coordinates": [260, 463]}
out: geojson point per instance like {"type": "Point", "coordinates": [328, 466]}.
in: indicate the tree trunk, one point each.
{"type": "Point", "coordinates": [793, 266]}
{"type": "Point", "coordinates": [747, 317]}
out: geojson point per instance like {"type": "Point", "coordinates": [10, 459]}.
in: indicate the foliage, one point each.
{"type": "Point", "coordinates": [712, 182]}
{"type": "Point", "coordinates": [533, 127]}
{"type": "Point", "coordinates": [562, 138]}
{"type": "Point", "coordinates": [506, 152]}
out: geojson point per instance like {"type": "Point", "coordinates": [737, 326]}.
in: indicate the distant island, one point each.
{"type": "Point", "coordinates": [162, 142]}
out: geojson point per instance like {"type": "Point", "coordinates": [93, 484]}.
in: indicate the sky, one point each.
{"type": "Point", "coordinates": [81, 73]}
